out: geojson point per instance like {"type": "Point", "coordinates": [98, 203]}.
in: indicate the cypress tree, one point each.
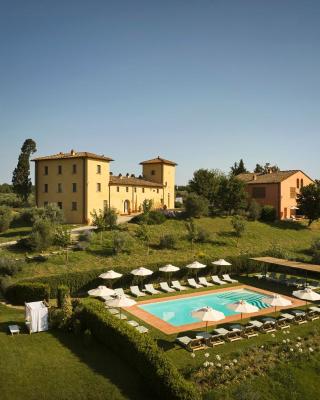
{"type": "Point", "coordinates": [21, 181]}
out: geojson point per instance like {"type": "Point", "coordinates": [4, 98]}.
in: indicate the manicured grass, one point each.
{"type": "Point", "coordinates": [56, 365]}
{"type": "Point", "coordinates": [295, 238]}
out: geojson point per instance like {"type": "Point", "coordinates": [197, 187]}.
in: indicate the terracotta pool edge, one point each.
{"type": "Point", "coordinates": [168, 329]}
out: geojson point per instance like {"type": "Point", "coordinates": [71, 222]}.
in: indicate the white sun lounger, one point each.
{"type": "Point", "coordinates": [133, 323]}
{"type": "Point", "coordinates": [112, 311]}
{"type": "Point", "coordinates": [193, 283]}
{"type": "Point", "coordinates": [14, 329]}
{"type": "Point", "coordinates": [226, 277]}
{"type": "Point", "coordinates": [136, 291]}
{"type": "Point", "coordinates": [119, 292]}
{"type": "Point", "coordinates": [203, 281]}
{"type": "Point", "coordinates": [121, 316]}
{"type": "Point", "coordinates": [142, 329]}
{"type": "Point", "coordinates": [165, 287]}
{"type": "Point", "coordinates": [150, 289]}
{"type": "Point", "coordinates": [217, 280]}
{"type": "Point", "coordinates": [177, 285]}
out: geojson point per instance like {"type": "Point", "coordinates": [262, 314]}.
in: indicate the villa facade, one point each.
{"type": "Point", "coordinates": [278, 189]}
{"type": "Point", "coordinates": [81, 182]}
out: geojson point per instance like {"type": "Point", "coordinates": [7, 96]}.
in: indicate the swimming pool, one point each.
{"type": "Point", "coordinates": [178, 312]}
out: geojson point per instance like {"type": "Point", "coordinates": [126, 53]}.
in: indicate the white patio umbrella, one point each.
{"type": "Point", "coordinates": [120, 302]}
{"type": "Point", "coordinates": [196, 265]}
{"type": "Point", "coordinates": [277, 301]}
{"type": "Point", "coordinates": [243, 307]}
{"type": "Point", "coordinates": [306, 294]}
{"type": "Point", "coordinates": [142, 272]}
{"type": "Point", "coordinates": [110, 275]}
{"type": "Point", "coordinates": [208, 314]}
{"type": "Point", "coordinates": [169, 269]}
{"type": "Point", "coordinates": [221, 262]}
{"type": "Point", "coordinates": [101, 291]}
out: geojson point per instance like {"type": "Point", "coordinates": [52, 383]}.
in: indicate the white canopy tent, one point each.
{"type": "Point", "coordinates": [37, 316]}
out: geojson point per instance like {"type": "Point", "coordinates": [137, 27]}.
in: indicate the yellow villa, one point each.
{"type": "Point", "coordinates": [81, 182]}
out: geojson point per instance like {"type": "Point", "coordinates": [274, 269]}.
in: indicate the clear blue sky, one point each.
{"type": "Point", "coordinates": [201, 82]}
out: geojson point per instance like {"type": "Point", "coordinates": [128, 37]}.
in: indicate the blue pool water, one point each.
{"type": "Point", "coordinates": [178, 312]}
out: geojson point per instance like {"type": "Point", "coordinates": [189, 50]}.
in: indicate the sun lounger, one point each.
{"type": "Point", "coordinates": [121, 316]}
{"type": "Point", "coordinates": [177, 285]}
{"type": "Point", "coordinates": [283, 323]}
{"type": "Point", "coordinates": [229, 335]}
{"type": "Point", "coordinates": [316, 309]}
{"type": "Point", "coordinates": [150, 289]}
{"type": "Point", "coordinates": [226, 277]}
{"type": "Point", "coordinates": [194, 284]}
{"type": "Point", "coordinates": [142, 329]}
{"type": "Point", "coordinates": [214, 340]}
{"type": "Point", "coordinates": [112, 311]}
{"type": "Point", "coordinates": [262, 276]}
{"type": "Point", "coordinates": [217, 280]}
{"type": "Point", "coordinates": [191, 344]}
{"type": "Point", "coordinates": [133, 323]}
{"type": "Point", "coordinates": [14, 329]}
{"type": "Point", "coordinates": [136, 291]}
{"type": "Point", "coordinates": [106, 298]}
{"type": "Point", "coordinates": [166, 288]}
{"type": "Point", "coordinates": [203, 281]}
{"type": "Point", "coordinates": [272, 277]}
{"type": "Point", "coordinates": [312, 315]}
{"type": "Point", "coordinates": [300, 317]}
{"type": "Point", "coordinates": [119, 292]}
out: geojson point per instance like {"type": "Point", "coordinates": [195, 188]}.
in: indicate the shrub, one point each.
{"type": "Point", "coordinates": [121, 242]}
{"type": "Point", "coordinates": [196, 206]}
{"type": "Point", "coordinates": [277, 251]}
{"type": "Point", "coordinates": [22, 292]}
{"type": "Point", "coordinates": [141, 351]}
{"type": "Point", "coordinates": [147, 206]}
{"type": "Point", "coordinates": [239, 225]}
{"type": "Point", "coordinates": [9, 266]}
{"type": "Point", "coordinates": [5, 218]}
{"type": "Point", "coordinates": [254, 210]}
{"type": "Point", "coordinates": [203, 236]}
{"type": "Point", "coordinates": [62, 236]}
{"type": "Point", "coordinates": [62, 293]}
{"type": "Point", "coordinates": [81, 246]}
{"type": "Point", "coordinates": [85, 236]}
{"type": "Point", "coordinates": [153, 217]}
{"type": "Point", "coordinates": [111, 218]}
{"type": "Point", "coordinates": [268, 214]}
{"type": "Point", "coordinates": [167, 242]}
{"type": "Point", "coordinates": [41, 236]}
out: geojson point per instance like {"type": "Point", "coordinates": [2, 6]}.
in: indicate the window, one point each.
{"type": "Point", "coordinates": [46, 170]}
{"type": "Point", "coordinates": [153, 172]}
{"type": "Point", "coordinates": [142, 190]}
{"type": "Point", "coordinates": [59, 169]}
{"type": "Point", "coordinates": [298, 183]}
{"type": "Point", "coordinates": [157, 190]}
{"type": "Point", "coordinates": [127, 189]}
{"type": "Point", "coordinates": [74, 187]}
{"type": "Point", "coordinates": [98, 169]}
{"type": "Point", "coordinates": [259, 192]}
{"type": "Point", "coordinates": [45, 204]}
{"type": "Point", "coordinates": [74, 168]}
{"type": "Point", "coordinates": [98, 187]}
{"type": "Point", "coordinates": [118, 189]}
{"type": "Point", "coordinates": [105, 204]}
{"type": "Point", "coordinates": [46, 188]}
{"type": "Point", "coordinates": [59, 187]}
{"type": "Point", "coordinates": [60, 205]}
{"type": "Point", "coordinates": [293, 193]}
{"type": "Point", "coordinates": [301, 183]}
{"type": "Point", "coordinates": [135, 190]}
{"type": "Point", "coordinates": [74, 206]}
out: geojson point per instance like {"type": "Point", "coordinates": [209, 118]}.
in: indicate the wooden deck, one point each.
{"type": "Point", "coordinates": [288, 264]}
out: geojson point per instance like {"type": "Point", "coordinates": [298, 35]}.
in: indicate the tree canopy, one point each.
{"type": "Point", "coordinates": [206, 183]}
{"type": "Point", "coordinates": [238, 168]}
{"type": "Point", "coordinates": [309, 202]}
{"type": "Point", "coordinates": [21, 181]}
{"type": "Point", "coordinates": [266, 168]}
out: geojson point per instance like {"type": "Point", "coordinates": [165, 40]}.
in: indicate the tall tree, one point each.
{"type": "Point", "coordinates": [309, 202]}
{"type": "Point", "coordinates": [238, 168]}
{"type": "Point", "coordinates": [21, 181]}
{"type": "Point", "coordinates": [206, 183]}
{"type": "Point", "coordinates": [232, 195]}
{"type": "Point", "coordinates": [267, 167]}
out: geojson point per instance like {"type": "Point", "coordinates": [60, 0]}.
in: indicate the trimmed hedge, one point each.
{"type": "Point", "coordinates": [141, 351]}
{"type": "Point", "coordinates": [23, 292]}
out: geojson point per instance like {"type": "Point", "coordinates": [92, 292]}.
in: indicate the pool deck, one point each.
{"type": "Point", "coordinates": [169, 329]}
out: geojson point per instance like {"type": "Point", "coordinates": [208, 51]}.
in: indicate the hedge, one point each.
{"type": "Point", "coordinates": [141, 351]}
{"type": "Point", "coordinates": [82, 281]}
{"type": "Point", "coordinates": [23, 292]}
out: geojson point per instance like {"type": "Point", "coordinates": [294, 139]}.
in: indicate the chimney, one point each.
{"type": "Point", "coordinates": [72, 152]}
{"type": "Point", "coordinates": [127, 175]}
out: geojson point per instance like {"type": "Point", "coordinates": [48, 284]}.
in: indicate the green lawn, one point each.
{"type": "Point", "coordinates": [295, 238]}
{"type": "Point", "coordinates": [57, 365]}
{"type": "Point", "coordinates": [14, 234]}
